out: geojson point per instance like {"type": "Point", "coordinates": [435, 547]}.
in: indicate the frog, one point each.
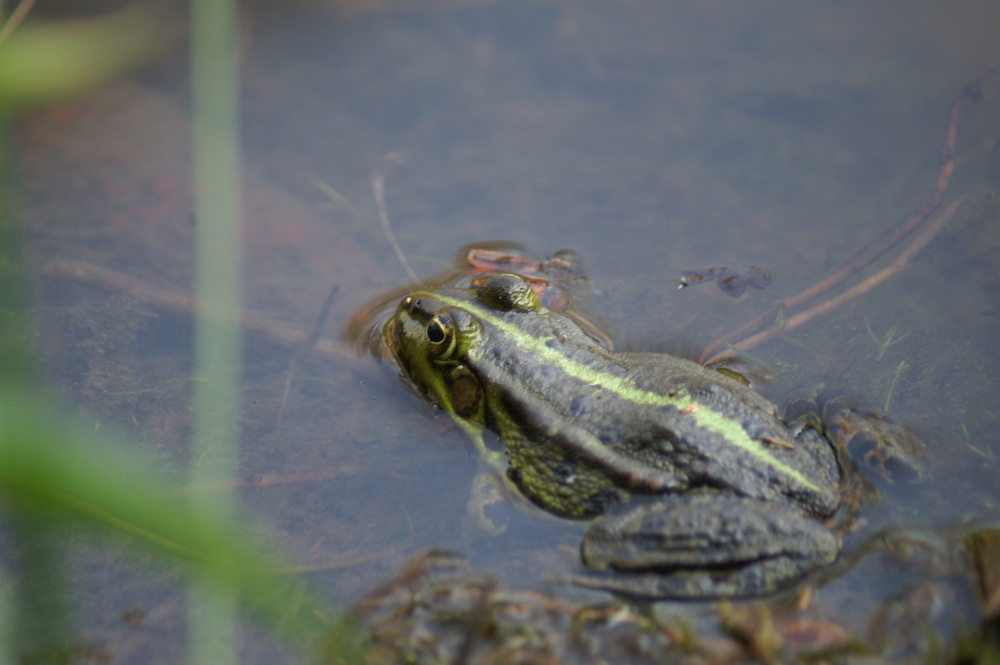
{"type": "Point", "coordinates": [693, 485]}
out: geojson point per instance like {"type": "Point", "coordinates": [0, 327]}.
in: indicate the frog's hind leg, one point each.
{"type": "Point", "coordinates": [706, 546]}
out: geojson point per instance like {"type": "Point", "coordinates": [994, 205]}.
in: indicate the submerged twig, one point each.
{"type": "Point", "coordinates": [867, 285]}
{"type": "Point", "coordinates": [378, 188]}
{"type": "Point", "coordinates": [723, 347]}
{"type": "Point", "coordinates": [16, 17]}
{"type": "Point", "coordinates": [253, 322]}
{"type": "Point", "coordinates": [306, 347]}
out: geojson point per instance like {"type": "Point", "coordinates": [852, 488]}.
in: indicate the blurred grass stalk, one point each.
{"type": "Point", "coordinates": [212, 613]}
{"type": "Point", "coordinates": [54, 473]}
{"type": "Point", "coordinates": [32, 607]}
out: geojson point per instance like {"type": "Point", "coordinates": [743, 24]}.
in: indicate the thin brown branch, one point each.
{"type": "Point", "coordinates": [737, 339]}
{"type": "Point", "coordinates": [15, 19]}
{"type": "Point", "coordinates": [182, 303]}
{"type": "Point", "coordinates": [917, 244]}
{"type": "Point", "coordinates": [378, 188]}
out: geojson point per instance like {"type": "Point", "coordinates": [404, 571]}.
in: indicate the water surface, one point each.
{"type": "Point", "coordinates": [650, 136]}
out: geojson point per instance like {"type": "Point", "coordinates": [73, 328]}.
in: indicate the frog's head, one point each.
{"type": "Point", "coordinates": [434, 335]}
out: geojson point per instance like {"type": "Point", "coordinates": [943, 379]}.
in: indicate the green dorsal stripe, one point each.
{"type": "Point", "coordinates": [625, 388]}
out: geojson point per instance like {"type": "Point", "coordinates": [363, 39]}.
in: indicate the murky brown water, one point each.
{"type": "Point", "coordinates": [650, 136]}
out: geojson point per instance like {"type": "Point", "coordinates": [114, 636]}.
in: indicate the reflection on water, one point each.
{"type": "Point", "coordinates": [651, 136]}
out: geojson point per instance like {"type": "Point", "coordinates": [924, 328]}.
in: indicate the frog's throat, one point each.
{"type": "Point", "coordinates": [625, 388]}
{"type": "Point", "coordinates": [493, 458]}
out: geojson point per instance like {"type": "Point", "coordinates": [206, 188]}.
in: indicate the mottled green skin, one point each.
{"type": "Point", "coordinates": [736, 499]}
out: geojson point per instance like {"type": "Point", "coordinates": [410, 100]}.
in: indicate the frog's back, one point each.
{"type": "Point", "coordinates": [685, 425]}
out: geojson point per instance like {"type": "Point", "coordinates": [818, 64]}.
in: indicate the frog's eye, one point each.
{"type": "Point", "coordinates": [441, 335]}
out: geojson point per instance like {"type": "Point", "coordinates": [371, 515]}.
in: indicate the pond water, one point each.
{"type": "Point", "coordinates": [652, 137]}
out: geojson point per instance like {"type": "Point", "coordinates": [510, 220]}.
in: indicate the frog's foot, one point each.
{"type": "Point", "coordinates": [710, 545]}
{"type": "Point", "coordinates": [875, 442]}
